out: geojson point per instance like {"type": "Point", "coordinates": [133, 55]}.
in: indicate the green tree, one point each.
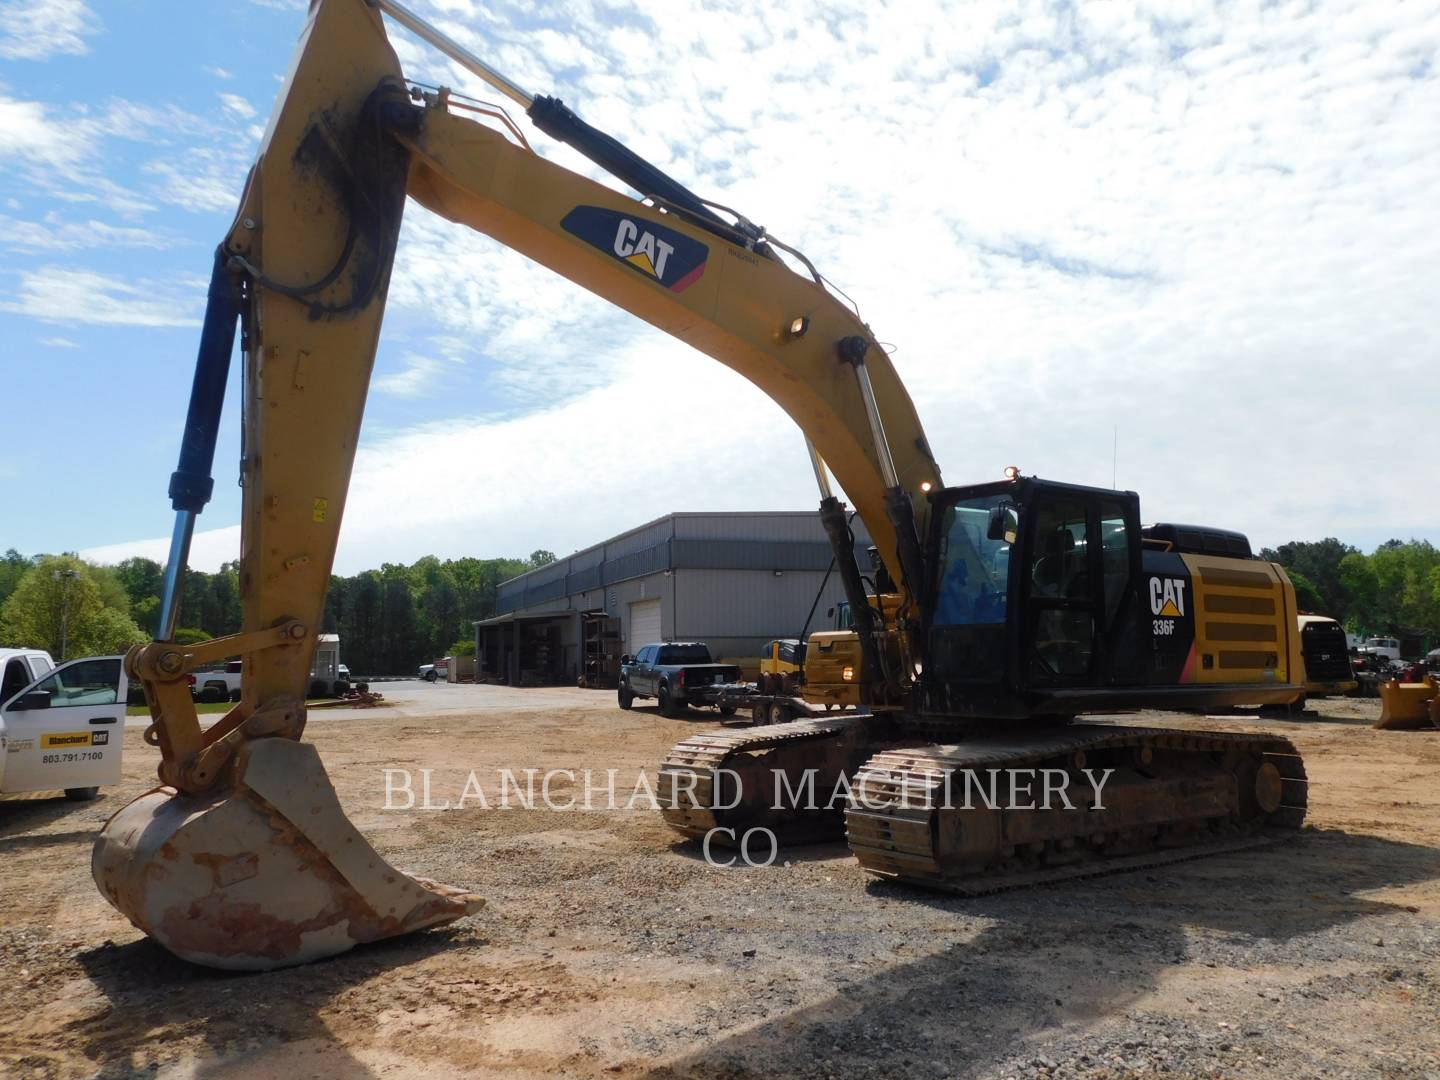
{"type": "Point", "coordinates": [112, 590]}
{"type": "Point", "coordinates": [1319, 561]}
{"type": "Point", "coordinates": [1405, 577]}
{"type": "Point", "coordinates": [59, 606]}
{"type": "Point", "coordinates": [1306, 595]}
{"type": "Point", "coordinates": [400, 648]}
{"type": "Point", "coordinates": [142, 579]}
{"type": "Point", "coordinates": [13, 566]}
{"type": "Point", "coordinates": [1362, 594]}
{"type": "Point", "coordinates": [540, 557]}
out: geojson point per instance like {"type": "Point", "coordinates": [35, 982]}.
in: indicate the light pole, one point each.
{"type": "Point", "coordinates": [65, 577]}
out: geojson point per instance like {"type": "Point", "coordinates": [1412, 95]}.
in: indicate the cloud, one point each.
{"type": "Point", "coordinates": [59, 295]}
{"type": "Point", "coordinates": [65, 151]}
{"type": "Point", "coordinates": [1207, 226]}
{"type": "Point", "coordinates": [204, 182]}
{"type": "Point", "coordinates": [40, 29]}
{"type": "Point", "coordinates": [27, 131]}
{"type": "Point", "coordinates": [54, 234]}
{"type": "Point", "coordinates": [208, 549]}
{"type": "Point", "coordinates": [420, 375]}
{"type": "Point", "coordinates": [237, 106]}
{"type": "Point", "coordinates": [59, 343]}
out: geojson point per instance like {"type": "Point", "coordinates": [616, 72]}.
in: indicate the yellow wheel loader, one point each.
{"type": "Point", "coordinates": [1005, 609]}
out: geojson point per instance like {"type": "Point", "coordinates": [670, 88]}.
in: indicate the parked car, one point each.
{"type": "Point", "coordinates": [440, 669]}
{"type": "Point", "coordinates": [65, 730]}
{"type": "Point", "coordinates": [1386, 647]}
{"type": "Point", "coordinates": [222, 684]}
{"type": "Point", "coordinates": [675, 674]}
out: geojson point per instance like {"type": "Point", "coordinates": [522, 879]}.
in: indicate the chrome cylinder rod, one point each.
{"type": "Point", "coordinates": [174, 584]}
{"type": "Point", "coordinates": [453, 49]}
{"type": "Point", "coordinates": [877, 427]}
{"type": "Point", "coordinates": [822, 478]}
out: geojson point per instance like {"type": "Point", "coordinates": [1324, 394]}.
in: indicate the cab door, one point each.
{"type": "Point", "coordinates": [65, 730]}
{"type": "Point", "coordinates": [1080, 590]}
{"type": "Point", "coordinates": [642, 675]}
{"type": "Point", "coordinates": [1061, 616]}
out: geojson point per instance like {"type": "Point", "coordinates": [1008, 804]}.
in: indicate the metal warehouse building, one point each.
{"type": "Point", "coordinates": [732, 580]}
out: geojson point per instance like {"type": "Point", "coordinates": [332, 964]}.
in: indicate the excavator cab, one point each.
{"type": "Point", "coordinates": [1032, 599]}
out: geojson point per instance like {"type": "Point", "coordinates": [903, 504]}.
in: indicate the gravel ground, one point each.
{"type": "Point", "coordinates": [610, 949]}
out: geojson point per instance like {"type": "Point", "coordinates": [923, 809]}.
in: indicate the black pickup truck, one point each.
{"type": "Point", "coordinates": [676, 674]}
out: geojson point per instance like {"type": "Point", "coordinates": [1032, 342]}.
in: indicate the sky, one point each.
{"type": "Point", "coordinates": [1190, 247]}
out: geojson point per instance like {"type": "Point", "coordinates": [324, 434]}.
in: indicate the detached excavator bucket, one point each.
{"type": "Point", "coordinates": [1407, 705]}
{"type": "Point", "coordinates": [266, 874]}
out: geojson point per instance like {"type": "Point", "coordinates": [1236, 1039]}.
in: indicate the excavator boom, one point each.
{"type": "Point", "coordinates": [244, 858]}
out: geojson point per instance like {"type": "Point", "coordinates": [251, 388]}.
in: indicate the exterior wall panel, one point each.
{"type": "Point", "coordinates": [721, 587]}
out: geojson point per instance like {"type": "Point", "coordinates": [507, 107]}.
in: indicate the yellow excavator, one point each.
{"type": "Point", "coordinates": [995, 615]}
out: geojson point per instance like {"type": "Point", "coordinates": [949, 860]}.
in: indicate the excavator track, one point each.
{"type": "Point", "coordinates": [703, 776]}
{"type": "Point", "coordinates": [1173, 795]}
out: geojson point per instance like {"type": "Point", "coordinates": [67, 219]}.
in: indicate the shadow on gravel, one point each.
{"type": "Point", "coordinates": [826, 851]}
{"type": "Point", "coordinates": [239, 1014]}
{"type": "Point", "coordinates": [1069, 953]}
{"type": "Point", "coordinates": [20, 816]}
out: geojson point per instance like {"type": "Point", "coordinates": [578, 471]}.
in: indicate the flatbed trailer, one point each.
{"type": "Point", "coordinates": [744, 705]}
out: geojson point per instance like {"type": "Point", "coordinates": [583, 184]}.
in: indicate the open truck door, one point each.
{"type": "Point", "coordinates": [65, 731]}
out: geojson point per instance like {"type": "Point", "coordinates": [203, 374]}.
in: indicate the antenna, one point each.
{"type": "Point", "coordinates": [1114, 454]}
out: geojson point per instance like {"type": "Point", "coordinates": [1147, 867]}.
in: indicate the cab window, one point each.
{"type": "Point", "coordinates": [1115, 556]}
{"type": "Point", "coordinates": [1060, 551]}
{"type": "Point", "coordinates": [88, 682]}
{"type": "Point", "coordinates": [15, 679]}
{"type": "Point", "coordinates": [970, 599]}
{"type": "Point", "coordinates": [974, 579]}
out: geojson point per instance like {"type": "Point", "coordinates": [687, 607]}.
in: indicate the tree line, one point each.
{"type": "Point", "coordinates": [1393, 591]}
{"type": "Point", "coordinates": [392, 619]}
{"type": "Point", "coordinates": [389, 620]}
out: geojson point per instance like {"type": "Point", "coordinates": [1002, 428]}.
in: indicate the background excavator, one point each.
{"type": "Point", "coordinates": [996, 614]}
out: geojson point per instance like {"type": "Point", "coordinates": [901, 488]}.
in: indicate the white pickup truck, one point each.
{"type": "Point", "coordinates": [1387, 648]}
{"type": "Point", "coordinates": [65, 730]}
{"type": "Point", "coordinates": [222, 684]}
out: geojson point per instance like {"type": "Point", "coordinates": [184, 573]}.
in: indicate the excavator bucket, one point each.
{"type": "Point", "coordinates": [266, 874]}
{"type": "Point", "coordinates": [1407, 705]}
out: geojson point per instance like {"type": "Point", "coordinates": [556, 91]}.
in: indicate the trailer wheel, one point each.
{"type": "Point", "coordinates": [758, 714]}
{"type": "Point", "coordinates": [779, 713]}
{"type": "Point", "coordinates": [727, 710]}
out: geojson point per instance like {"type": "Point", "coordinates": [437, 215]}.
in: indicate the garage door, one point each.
{"type": "Point", "coordinates": [644, 624]}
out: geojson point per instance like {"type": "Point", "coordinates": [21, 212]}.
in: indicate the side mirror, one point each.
{"type": "Point", "coordinates": [35, 699]}
{"type": "Point", "coordinates": [1004, 523]}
